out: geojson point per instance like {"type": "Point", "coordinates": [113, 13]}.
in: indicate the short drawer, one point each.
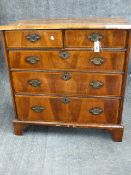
{"type": "Point", "coordinates": [86, 38]}
{"type": "Point", "coordinates": [74, 83]}
{"type": "Point", "coordinates": [34, 38]}
{"type": "Point", "coordinates": [67, 109]}
{"type": "Point", "coordinates": [68, 60]}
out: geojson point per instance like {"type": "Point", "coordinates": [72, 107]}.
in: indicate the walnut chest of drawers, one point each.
{"type": "Point", "coordinates": [68, 72]}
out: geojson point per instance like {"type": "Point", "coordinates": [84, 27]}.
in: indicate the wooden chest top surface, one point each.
{"type": "Point", "coordinates": [72, 23]}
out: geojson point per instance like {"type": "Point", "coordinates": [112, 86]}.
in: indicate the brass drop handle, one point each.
{"type": "Point", "coordinates": [96, 84]}
{"type": "Point", "coordinates": [95, 37]}
{"type": "Point", "coordinates": [38, 109]}
{"type": "Point", "coordinates": [32, 60]}
{"type": "Point", "coordinates": [66, 76]}
{"type": "Point", "coordinates": [64, 55]}
{"type": "Point", "coordinates": [33, 37]}
{"type": "Point", "coordinates": [65, 100]}
{"type": "Point", "coordinates": [97, 61]}
{"type": "Point", "coordinates": [96, 111]}
{"type": "Point", "coordinates": [34, 83]}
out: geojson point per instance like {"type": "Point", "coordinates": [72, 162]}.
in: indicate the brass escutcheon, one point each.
{"type": "Point", "coordinates": [95, 37]}
{"type": "Point", "coordinates": [33, 37]}
{"type": "Point", "coordinates": [32, 59]}
{"type": "Point", "coordinates": [38, 108]}
{"type": "Point", "coordinates": [34, 83]}
{"type": "Point", "coordinates": [66, 76]}
{"type": "Point", "coordinates": [97, 61]}
{"type": "Point", "coordinates": [96, 84]}
{"type": "Point", "coordinates": [65, 100]}
{"type": "Point", "coordinates": [64, 55]}
{"type": "Point", "coordinates": [96, 111]}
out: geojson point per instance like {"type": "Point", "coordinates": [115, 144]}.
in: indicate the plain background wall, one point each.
{"type": "Point", "coordinates": [12, 10]}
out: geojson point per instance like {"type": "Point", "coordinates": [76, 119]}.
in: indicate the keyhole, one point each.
{"type": "Point", "coordinates": [65, 76]}
{"type": "Point", "coordinates": [64, 55]}
{"type": "Point", "coordinates": [65, 100]}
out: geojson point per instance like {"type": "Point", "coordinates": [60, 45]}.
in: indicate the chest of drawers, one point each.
{"type": "Point", "coordinates": [68, 72]}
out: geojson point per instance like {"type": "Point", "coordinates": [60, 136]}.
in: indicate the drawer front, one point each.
{"type": "Point", "coordinates": [34, 38]}
{"type": "Point", "coordinates": [73, 83]}
{"type": "Point", "coordinates": [69, 60]}
{"type": "Point", "coordinates": [86, 38]}
{"type": "Point", "coordinates": [67, 109]}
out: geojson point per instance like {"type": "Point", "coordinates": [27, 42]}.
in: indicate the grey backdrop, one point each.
{"type": "Point", "coordinates": [11, 10]}
{"type": "Point", "coordinates": [64, 151]}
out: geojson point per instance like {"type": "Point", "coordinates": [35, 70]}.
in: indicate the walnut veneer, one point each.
{"type": "Point", "coordinates": [59, 79]}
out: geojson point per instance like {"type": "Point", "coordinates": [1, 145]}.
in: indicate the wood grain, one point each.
{"type": "Point", "coordinates": [78, 84]}
{"type": "Point", "coordinates": [117, 134]}
{"type": "Point", "coordinates": [19, 128]}
{"type": "Point", "coordinates": [70, 36]}
{"type": "Point", "coordinates": [110, 38]}
{"type": "Point", "coordinates": [71, 23]}
{"type": "Point", "coordinates": [77, 110]}
{"type": "Point", "coordinates": [127, 56]}
{"type": "Point", "coordinates": [76, 60]}
{"type": "Point", "coordinates": [115, 129]}
{"type": "Point", "coordinates": [18, 38]}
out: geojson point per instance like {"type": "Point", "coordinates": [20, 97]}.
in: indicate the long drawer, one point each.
{"type": "Point", "coordinates": [86, 38]}
{"type": "Point", "coordinates": [70, 83]}
{"type": "Point", "coordinates": [68, 60]}
{"type": "Point", "coordinates": [34, 38]}
{"type": "Point", "coordinates": [67, 109]}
